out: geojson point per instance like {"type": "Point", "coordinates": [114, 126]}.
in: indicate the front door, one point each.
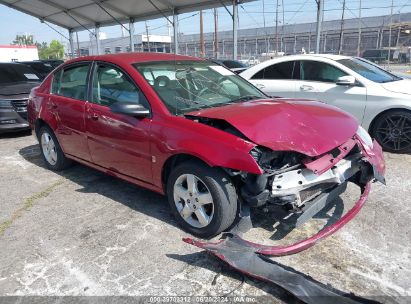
{"type": "Point", "coordinates": [117, 142]}
{"type": "Point", "coordinates": [318, 81]}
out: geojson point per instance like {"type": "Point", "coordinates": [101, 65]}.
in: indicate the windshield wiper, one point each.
{"type": "Point", "coordinates": [245, 98]}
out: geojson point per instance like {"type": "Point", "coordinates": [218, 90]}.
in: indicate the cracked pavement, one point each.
{"type": "Point", "coordinates": [81, 232]}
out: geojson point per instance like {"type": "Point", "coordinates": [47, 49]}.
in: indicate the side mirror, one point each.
{"type": "Point", "coordinates": [131, 109]}
{"type": "Point", "coordinates": [346, 81]}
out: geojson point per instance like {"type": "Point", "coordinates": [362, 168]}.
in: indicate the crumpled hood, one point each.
{"type": "Point", "coordinates": [400, 86]}
{"type": "Point", "coordinates": [308, 127]}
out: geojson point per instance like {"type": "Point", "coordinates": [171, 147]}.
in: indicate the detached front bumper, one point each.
{"type": "Point", "coordinates": [370, 161]}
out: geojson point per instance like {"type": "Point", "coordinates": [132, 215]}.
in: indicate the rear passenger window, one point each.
{"type": "Point", "coordinates": [71, 82]}
{"type": "Point", "coordinates": [280, 71]}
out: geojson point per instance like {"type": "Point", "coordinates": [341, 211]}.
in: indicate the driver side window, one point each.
{"type": "Point", "coordinates": [320, 71]}
{"type": "Point", "coordinates": [111, 85]}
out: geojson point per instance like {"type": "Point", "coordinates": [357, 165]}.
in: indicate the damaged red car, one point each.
{"type": "Point", "coordinates": [203, 136]}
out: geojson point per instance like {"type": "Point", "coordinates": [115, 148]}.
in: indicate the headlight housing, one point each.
{"type": "Point", "coordinates": [365, 137]}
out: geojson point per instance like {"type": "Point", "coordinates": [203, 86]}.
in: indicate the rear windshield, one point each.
{"type": "Point", "coordinates": [232, 64]}
{"type": "Point", "coordinates": [40, 67]}
{"type": "Point", "coordinates": [10, 73]}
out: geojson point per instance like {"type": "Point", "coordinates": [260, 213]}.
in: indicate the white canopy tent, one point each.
{"type": "Point", "coordinates": [77, 15]}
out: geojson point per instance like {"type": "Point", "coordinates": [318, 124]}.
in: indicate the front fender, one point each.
{"type": "Point", "coordinates": [213, 146]}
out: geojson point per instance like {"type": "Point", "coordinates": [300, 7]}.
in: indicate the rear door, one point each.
{"type": "Point", "coordinates": [278, 79]}
{"type": "Point", "coordinates": [118, 142]}
{"type": "Point", "coordinates": [67, 103]}
{"type": "Point", "coordinates": [318, 82]}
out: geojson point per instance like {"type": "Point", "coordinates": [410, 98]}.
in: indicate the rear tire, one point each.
{"type": "Point", "coordinates": [51, 151]}
{"type": "Point", "coordinates": [203, 199]}
{"type": "Point", "coordinates": [392, 130]}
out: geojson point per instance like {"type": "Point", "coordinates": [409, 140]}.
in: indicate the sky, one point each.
{"type": "Point", "coordinates": [251, 15]}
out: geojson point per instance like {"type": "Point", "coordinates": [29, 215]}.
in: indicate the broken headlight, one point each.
{"type": "Point", "coordinates": [364, 136]}
{"type": "Point", "coordinates": [275, 162]}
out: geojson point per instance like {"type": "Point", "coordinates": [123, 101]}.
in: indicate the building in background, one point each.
{"type": "Point", "coordinates": [263, 43]}
{"type": "Point", "coordinates": [297, 38]}
{"type": "Point", "coordinates": [143, 43]}
{"type": "Point", "coordinates": [9, 53]}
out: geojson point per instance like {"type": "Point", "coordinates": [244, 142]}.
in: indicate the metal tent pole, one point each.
{"type": "Point", "coordinates": [98, 43]}
{"type": "Point", "coordinates": [235, 28]}
{"type": "Point", "coordinates": [390, 34]}
{"type": "Point", "coordinates": [320, 10]}
{"type": "Point", "coordinates": [359, 31]}
{"type": "Point", "coordinates": [175, 28]}
{"type": "Point", "coordinates": [78, 45]}
{"type": "Point", "coordinates": [340, 48]}
{"type": "Point", "coordinates": [131, 31]}
{"type": "Point", "coordinates": [71, 43]}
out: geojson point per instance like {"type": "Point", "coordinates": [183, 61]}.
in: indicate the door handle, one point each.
{"type": "Point", "coordinates": [93, 116]}
{"type": "Point", "coordinates": [306, 88]}
{"type": "Point", "coordinates": [260, 85]}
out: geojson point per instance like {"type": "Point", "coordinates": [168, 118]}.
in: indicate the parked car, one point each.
{"type": "Point", "coordinates": [16, 81]}
{"type": "Point", "coordinates": [200, 134]}
{"type": "Point", "coordinates": [233, 65]}
{"type": "Point", "coordinates": [40, 68]}
{"type": "Point", "coordinates": [378, 55]}
{"type": "Point", "coordinates": [379, 100]}
{"type": "Point", "coordinates": [53, 62]}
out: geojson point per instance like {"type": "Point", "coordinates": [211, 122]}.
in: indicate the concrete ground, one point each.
{"type": "Point", "coordinates": [82, 232]}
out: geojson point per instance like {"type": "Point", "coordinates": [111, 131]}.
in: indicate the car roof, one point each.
{"type": "Point", "coordinates": [315, 56]}
{"type": "Point", "coordinates": [136, 57]}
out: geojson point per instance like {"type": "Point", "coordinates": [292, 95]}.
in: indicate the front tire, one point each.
{"type": "Point", "coordinates": [203, 199]}
{"type": "Point", "coordinates": [392, 130]}
{"type": "Point", "coordinates": [51, 151]}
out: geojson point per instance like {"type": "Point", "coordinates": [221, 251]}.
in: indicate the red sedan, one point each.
{"type": "Point", "coordinates": [200, 134]}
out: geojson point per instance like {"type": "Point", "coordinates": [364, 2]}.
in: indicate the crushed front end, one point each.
{"type": "Point", "coordinates": [296, 184]}
{"type": "Point", "coordinates": [296, 187]}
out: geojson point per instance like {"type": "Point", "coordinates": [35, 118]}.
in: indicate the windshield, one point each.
{"type": "Point", "coordinates": [232, 64]}
{"type": "Point", "coordinates": [14, 72]}
{"type": "Point", "coordinates": [368, 70]}
{"type": "Point", "coordinates": [186, 86]}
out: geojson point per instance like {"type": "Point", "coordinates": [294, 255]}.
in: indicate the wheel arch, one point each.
{"type": "Point", "coordinates": [174, 161]}
{"type": "Point", "coordinates": [38, 124]}
{"type": "Point", "coordinates": [378, 116]}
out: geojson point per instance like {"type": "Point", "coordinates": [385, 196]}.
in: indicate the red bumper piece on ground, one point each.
{"type": "Point", "coordinates": [296, 247]}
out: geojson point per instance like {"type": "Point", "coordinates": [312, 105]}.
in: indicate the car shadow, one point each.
{"type": "Point", "coordinates": [155, 205]}
{"type": "Point", "coordinates": [207, 261]}
{"type": "Point", "coordinates": [280, 229]}
{"type": "Point", "coordinates": [93, 181]}
{"type": "Point", "coordinates": [15, 134]}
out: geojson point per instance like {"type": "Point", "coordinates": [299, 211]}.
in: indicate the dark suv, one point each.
{"type": "Point", "coordinates": [40, 68]}
{"type": "Point", "coordinates": [16, 81]}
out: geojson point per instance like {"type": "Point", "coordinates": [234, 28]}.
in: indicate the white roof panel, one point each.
{"type": "Point", "coordinates": [80, 14]}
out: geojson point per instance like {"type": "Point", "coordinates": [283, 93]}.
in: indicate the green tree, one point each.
{"type": "Point", "coordinates": [56, 50]}
{"type": "Point", "coordinates": [53, 51]}
{"type": "Point", "coordinates": [42, 49]}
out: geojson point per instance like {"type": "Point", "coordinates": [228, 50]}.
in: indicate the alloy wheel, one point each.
{"type": "Point", "coordinates": [49, 148]}
{"type": "Point", "coordinates": [193, 200]}
{"type": "Point", "coordinates": [394, 132]}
